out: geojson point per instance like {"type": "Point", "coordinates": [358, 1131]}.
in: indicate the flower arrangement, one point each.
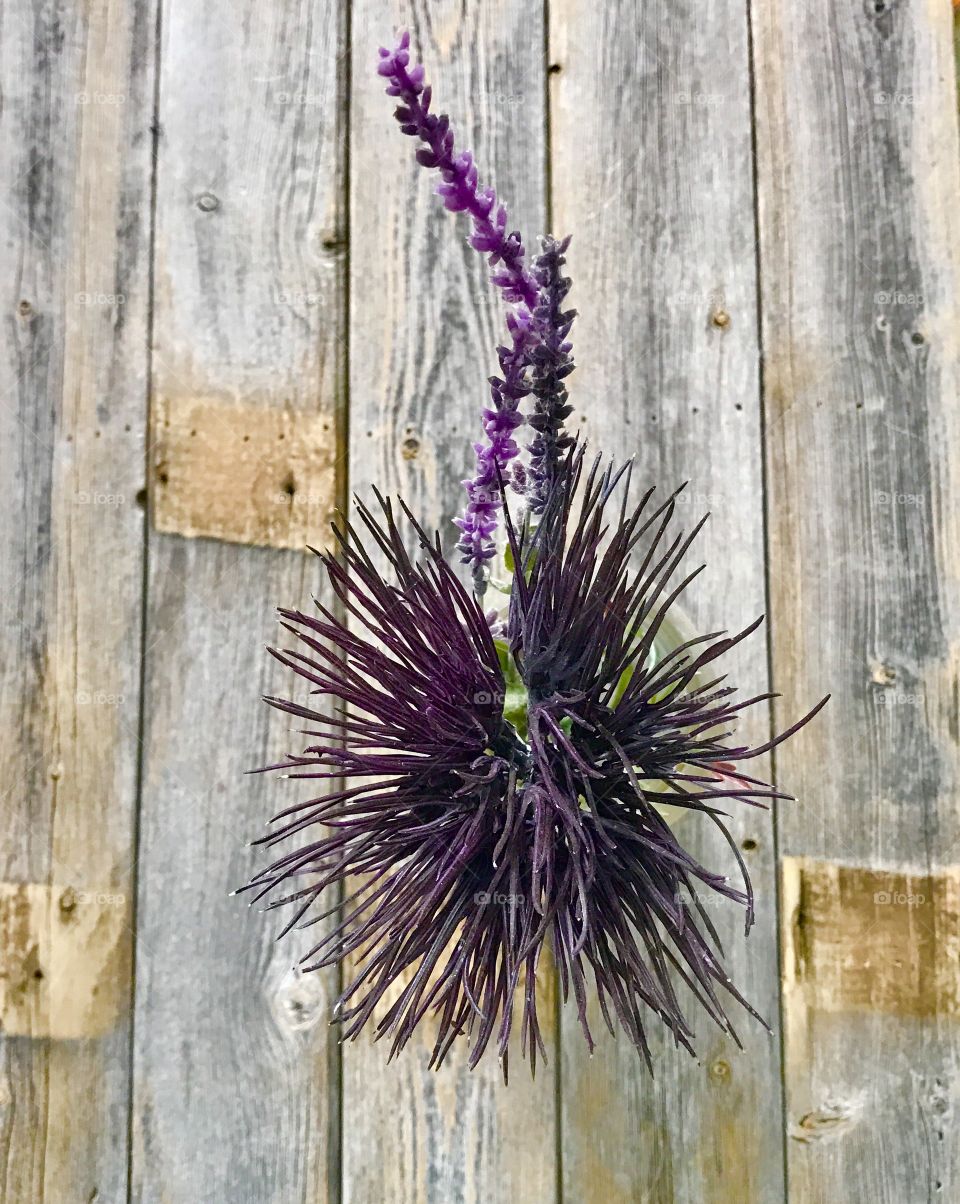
{"type": "Point", "coordinates": [496, 780]}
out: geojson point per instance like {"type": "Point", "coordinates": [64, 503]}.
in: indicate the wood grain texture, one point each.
{"type": "Point", "coordinates": [651, 172]}
{"type": "Point", "coordinates": [859, 183]}
{"type": "Point", "coordinates": [74, 239]}
{"type": "Point", "coordinates": [236, 1072]}
{"type": "Point", "coordinates": [423, 328]}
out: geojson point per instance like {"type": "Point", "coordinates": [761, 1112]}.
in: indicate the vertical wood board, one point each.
{"type": "Point", "coordinates": [651, 173]}
{"type": "Point", "coordinates": [858, 170]}
{"type": "Point", "coordinates": [74, 233]}
{"type": "Point", "coordinates": [236, 1068]}
{"type": "Point", "coordinates": [424, 326]}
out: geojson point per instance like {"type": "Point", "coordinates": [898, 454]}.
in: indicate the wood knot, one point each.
{"type": "Point", "coordinates": [720, 318]}
{"type": "Point", "coordinates": [207, 202]}
{"type": "Point", "coordinates": [332, 243]}
{"type": "Point", "coordinates": [827, 1123]}
{"type": "Point", "coordinates": [719, 1071]}
{"type": "Point", "coordinates": [882, 674]}
{"type": "Point", "coordinates": [300, 1000]}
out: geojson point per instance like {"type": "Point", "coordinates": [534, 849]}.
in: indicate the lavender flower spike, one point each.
{"type": "Point", "coordinates": [551, 363]}
{"type": "Point", "coordinates": [540, 345]}
{"type": "Point", "coordinates": [461, 193]}
{"type": "Point", "coordinates": [460, 189]}
{"type": "Point", "coordinates": [500, 420]}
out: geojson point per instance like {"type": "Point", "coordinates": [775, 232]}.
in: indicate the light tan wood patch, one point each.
{"type": "Point", "coordinates": [64, 960]}
{"type": "Point", "coordinates": [243, 473]}
{"type": "Point", "coordinates": [872, 940]}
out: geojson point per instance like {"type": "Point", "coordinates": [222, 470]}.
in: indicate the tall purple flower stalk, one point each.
{"type": "Point", "coordinates": [538, 357]}
{"type": "Point", "coordinates": [460, 189]}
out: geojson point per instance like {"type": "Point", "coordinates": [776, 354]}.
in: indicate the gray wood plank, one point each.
{"type": "Point", "coordinates": [236, 1068]}
{"type": "Point", "coordinates": [651, 172]}
{"type": "Point", "coordinates": [423, 331]}
{"type": "Point", "coordinates": [74, 236]}
{"type": "Point", "coordinates": [858, 188]}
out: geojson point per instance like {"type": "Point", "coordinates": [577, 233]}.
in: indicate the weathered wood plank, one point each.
{"type": "Point", "coordinates": [860, 227]}
{"type": "Point", "coordinates": [243, 473]}
{"type": "Point", "coordinates": [74, 237]}
{"type": "Point", "coordinates": [651, 172]}
{"type": "Point", "coordinates": [423, 329]}
{"type": "Point", "coordinates": [236, 1071]}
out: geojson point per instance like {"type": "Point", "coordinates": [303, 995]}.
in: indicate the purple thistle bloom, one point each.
{"type": "Point", "coordinates": [475, 846]}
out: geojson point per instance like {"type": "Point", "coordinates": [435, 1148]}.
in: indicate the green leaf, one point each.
{"type": "Point", "coordinates": [515, 698]}
{"type": "Point", "coordinates": [622, 684]}
{"type": "Point", "coordinates": [515, 709]}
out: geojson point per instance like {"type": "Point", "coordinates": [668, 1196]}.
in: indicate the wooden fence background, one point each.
{"type": "Point", "coordinates": [228, 298]}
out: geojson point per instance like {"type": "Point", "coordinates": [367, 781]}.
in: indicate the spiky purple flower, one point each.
{"type": "Point", "coordinates": [479, 842]}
